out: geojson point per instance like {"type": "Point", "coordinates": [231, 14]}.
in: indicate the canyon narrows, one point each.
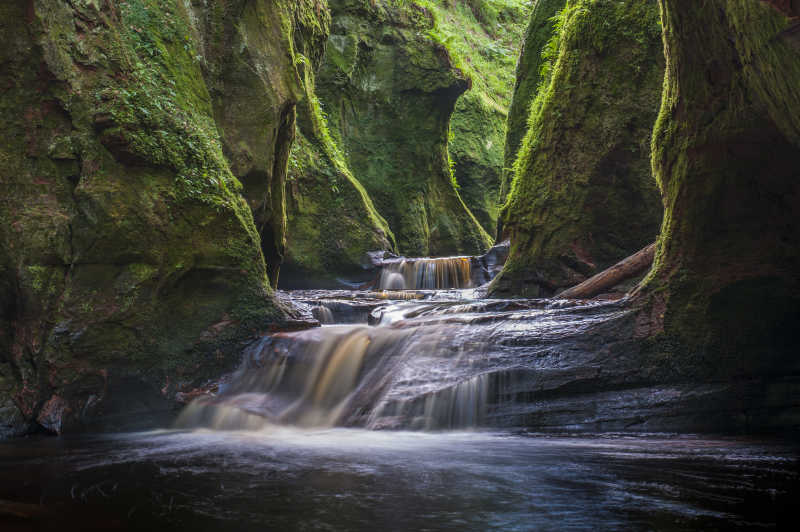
{"type": "Point", "coordinates": [399, 264]}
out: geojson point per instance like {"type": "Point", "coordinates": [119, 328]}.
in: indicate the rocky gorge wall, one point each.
{"type": "Point", "coordinates": [145, 194]}
{"type": "Point", "coordinates": [388, 92]}
{"type": "Point", "coordinates": [583, 196]}
{"type": "Point", "coordinates": [724, 294]}
{"type": "Point", "coordinates": [383, 113]}
{"type": "Point", "coordinates": [131, 265]}
{"type": "Point", "coordinates": [332, 221]}
{"type": "Point", "coordinates": [527, 78]}
{"type": "Point", "coordinates": [707, 341]}
{"type": "Point", "coordinates": [483, 37]}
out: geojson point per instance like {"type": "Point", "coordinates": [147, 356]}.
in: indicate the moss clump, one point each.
{"type": "Point", "coordinates": [724, 286]}
{"type": "Point", "coordinates": [127, 252]}
{"type": "Point", "coordinates": [389, 91]}
{"type": "Point", "coordinates": [583, 196]}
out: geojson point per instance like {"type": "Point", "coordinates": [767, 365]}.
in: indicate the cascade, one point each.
{"type": "Point", "coordinates": [441, 273]}
{"type": "Point", "coordinates": [443, 362]}
{"type": "Point", "coordinates": [426, 274]}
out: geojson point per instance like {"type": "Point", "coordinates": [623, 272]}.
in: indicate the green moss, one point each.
{"type": "Point", "coordinates": [332, 220]}
{"type": "Point", "coordinates": [255, 56]}
{"type": "Point", "coordinates": [724, 152]}
{"type": "Point", "coordinates": [482, 38]}
{"type": "Point", "coordinates": [126, 245]}
{"type": "Point", "coordinates": [583, 196]}
{"type": "Point", "coordinates": [389, 91]}
{"type": "Point", "coordinates": [539, 34]}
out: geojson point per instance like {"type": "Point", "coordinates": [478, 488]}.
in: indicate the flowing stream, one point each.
{"type": "Point", "coordinates": [430, 361]}
{"type": "Point", "coordinates": [405, 410]}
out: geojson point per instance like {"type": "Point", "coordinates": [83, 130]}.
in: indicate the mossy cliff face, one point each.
{"type": "Point", "coordinates": [332, 222]}
{"type": "Point", "coordinates": [476, 150]}
{"type": "Point", "coordinates": [253, 57]}
{"type": "Point", "coordinates": [529, 67]}
{"type": "Point", "coordinates": [483, 38]}
{"type": "Point", "coordinates": [388, 91]}
{"type": "Point", "coordinates": [724, 293]}
{"type": "Point", "coordinates": [583, 196]}
{"type": "Point", "coordinates": [130, 264]}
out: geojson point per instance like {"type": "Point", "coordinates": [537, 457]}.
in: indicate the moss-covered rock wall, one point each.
{"type": "Point", "coordinates": [388, 90]}
{"type": "Point", "coordinates": [251, 57]}
{"type": "Point", "coordinates": [483, 38]}
{"type": "Point", "coordinates": [583, 196]}
{"type": "Point", "coordinates": [332, 222]}
{"type": "Point", "coordinates": [476, 40]}
{"type": "Point", "coordinates": [529, 67]}
{"type": "Point", "coordinates": [130, 263]}
{"type": "Point", "coordinates": [724, 292]}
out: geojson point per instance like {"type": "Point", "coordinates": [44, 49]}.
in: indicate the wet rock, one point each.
{"type": "Point", "coordinates": [487, 266]}
{"type": "Point", "coordinates": [51, 415]}
{"type": "Point", "coordinates": [449, 363]}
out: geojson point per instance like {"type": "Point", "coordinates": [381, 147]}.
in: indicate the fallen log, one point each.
{"type": "Point", "coordinates": [621, 271]}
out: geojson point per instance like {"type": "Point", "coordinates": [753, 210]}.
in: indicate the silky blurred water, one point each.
{"type": "Point", "coordinates": [282, 478]}
{"type": "Point", "coordinates": [444, 359]}
{"type": "Point", "coordinates": [430, 361]}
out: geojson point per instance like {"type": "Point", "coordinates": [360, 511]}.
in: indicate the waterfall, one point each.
{"type": "Point", "coordinates": [392, 375]}
{"type": "Point", "coordinates": [436, 363]}
{"type": "Point", "coordinates": [426, 274]}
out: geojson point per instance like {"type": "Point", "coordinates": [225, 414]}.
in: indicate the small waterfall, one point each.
{"type": "Point", "coordinates": [462, 405]}
{"type": "Point", "coordinates": [426, 274]}
{"type": "Point", "coordinates": [437, 363]}
{"type": "Point", "coordinates": [316, 378]}
{"type": "Point", "coordinates": [323, 314]}
{"type": "Point", "coordinates": [389, 376]}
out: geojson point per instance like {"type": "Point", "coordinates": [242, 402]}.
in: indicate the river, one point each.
{"type": "Point", "coordinates": [404, 411]}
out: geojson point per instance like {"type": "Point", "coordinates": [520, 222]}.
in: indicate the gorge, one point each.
{"type": "Point", "coordinates": [277, 263]}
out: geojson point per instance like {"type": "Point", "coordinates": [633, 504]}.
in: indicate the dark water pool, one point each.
{"type": "Point", "coordinates": [347, 479]}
